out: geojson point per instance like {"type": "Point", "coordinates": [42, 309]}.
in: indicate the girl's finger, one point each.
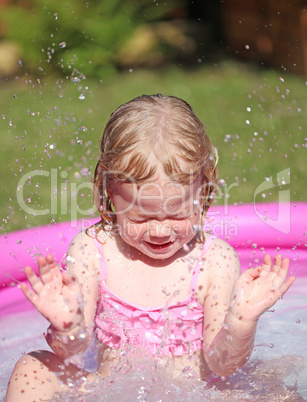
{"type": "Point", "coordinates": [50, 259]}
{"type": "Point", "coordinates": [279, 276]}
{"type": "Point", "coordinates": [44, 270]}
{"type": "Point", "coordinates": [267, 264]}
{"type": "Point", "coordinates": [70, 281]}
{"type": "Point", "coordinates": [284, 268]}
{"type": "Point", "coordinates": [285, 286]}
{"type": "Point", "coordinates": [277, 263]}
{"type": "Point", "coordinates": [34, 281]}
{"type": "Point", "coordinates": [251, 273]}
{"type": "Point", "coordinates": [47, 268]}
{"type": "Point", "coordinates": [30, 295]}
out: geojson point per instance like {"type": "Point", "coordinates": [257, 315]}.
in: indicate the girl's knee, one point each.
{"type": "Point", "coordinates": [31, 377]}
{"type": "Point", "coordinates": [27, 364]}
{"type": "Point", "coordinates": [42, 374]}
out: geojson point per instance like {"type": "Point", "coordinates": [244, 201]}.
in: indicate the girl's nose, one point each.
{"type": "Point", "coordinates": [160, 229]}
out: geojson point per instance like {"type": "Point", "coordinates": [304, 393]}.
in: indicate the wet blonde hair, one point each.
{"type": "Point", "coordinates": [165, 127]}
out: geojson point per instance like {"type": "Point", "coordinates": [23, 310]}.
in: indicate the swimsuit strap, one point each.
{"type": "Point", "coordinates": [207, 244]}
{"type": "Point", "coordinates": [103, 265]}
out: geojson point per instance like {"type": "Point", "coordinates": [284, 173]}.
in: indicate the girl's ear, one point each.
{"type": "Point", "coordinates": [109, 194]}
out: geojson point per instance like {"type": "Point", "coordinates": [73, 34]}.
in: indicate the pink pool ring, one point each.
{"type": "Point", "coordinates": [253, 230]}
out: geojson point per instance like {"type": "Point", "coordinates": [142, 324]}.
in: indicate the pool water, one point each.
{"type": "Point", "coordinates": [277, 370]}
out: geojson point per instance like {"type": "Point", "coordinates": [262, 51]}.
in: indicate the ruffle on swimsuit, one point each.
{"type": "Point", "coordinates": [171, 329]}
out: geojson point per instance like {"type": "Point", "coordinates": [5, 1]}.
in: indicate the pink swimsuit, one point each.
{"type": "Point", "coordinates": [174, 329]}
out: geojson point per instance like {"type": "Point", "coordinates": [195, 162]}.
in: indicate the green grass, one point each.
{"type": "Point", "coordinates": [46, 126]}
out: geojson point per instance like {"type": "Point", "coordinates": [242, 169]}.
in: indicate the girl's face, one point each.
{"type": "Point", "coordinates": [157, 217]}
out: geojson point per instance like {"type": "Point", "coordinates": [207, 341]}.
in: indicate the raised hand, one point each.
{"type": "Point", "coordinates": [258, 289]}
{"type": "Point", "coordinates": [55, 294]}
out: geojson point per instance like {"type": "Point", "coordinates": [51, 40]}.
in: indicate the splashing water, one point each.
{"type": "Point", "coordinates": [274, 372]}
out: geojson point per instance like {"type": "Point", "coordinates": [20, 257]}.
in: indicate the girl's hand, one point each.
{"type": "Point", "coordinates": [56, 295]}
{"type": "Point", "coordinates": [258, 289]}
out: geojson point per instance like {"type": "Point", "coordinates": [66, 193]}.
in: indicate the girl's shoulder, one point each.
{"type": "Point", "coordinates": [83, 254]}
{"type": "Point", "coordinates": [220, 244]}
{"type": "Point", "coordinates": [222, 254]}
{"type": "Point", "coordinates": [82, 239]}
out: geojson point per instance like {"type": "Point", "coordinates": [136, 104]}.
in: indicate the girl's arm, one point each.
{"type": "Point", "coordinates": [68, 299]}
{"type": "Point", "coordinates": [83, 262]}
{"type": "Point", "coordinates": [233, 305]}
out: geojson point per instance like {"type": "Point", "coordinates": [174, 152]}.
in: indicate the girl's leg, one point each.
{"type": "Point", "coordinates": [39, 375]}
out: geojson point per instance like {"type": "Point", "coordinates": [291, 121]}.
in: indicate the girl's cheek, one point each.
{"type": "Point", "coordinates": [188, 227]}
{"type": "Point", "coordinates": [178, 228]}
{"type": "Point", "coordinates": [133, 232]}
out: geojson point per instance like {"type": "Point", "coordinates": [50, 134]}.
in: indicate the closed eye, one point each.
{"type": "Point", "coordinates": [181, 218]}
{"type": "Point", "coordinates": [148, 219]}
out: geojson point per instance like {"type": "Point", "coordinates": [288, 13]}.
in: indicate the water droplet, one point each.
{"type": "Point", "coordinates": [247, 47]}
{"type": "Point", "coordinates": [81, 96]}
{"type": "Point", "coordinates": [189, 372]}
{"type": "Point", "coordinates": [298, 321]}
{"type": "Point", "coordinates": [228, 138]}
{"type": "Point", "coordinates": [55, 15]}
{"type": "Point", "coordinates": [281, 79]}
{"type": "Point", "coordinates": [247, 122]}
{"type": "Point", "coordinates": [62, 45]}
{"type": "Point", "coordinates": [255, 245]}
{"type": "Point", "coordinates": [85, 172]}
{"type": "Point", "coordinates": [248, 109]}
{"type": "Point", "coordinates": [222, 183]}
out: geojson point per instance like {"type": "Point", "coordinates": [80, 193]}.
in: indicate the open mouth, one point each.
{"type": "Point", "coordinates": [160, 247]}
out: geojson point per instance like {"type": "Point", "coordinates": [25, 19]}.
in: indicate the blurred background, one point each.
{"type": "Point", "coordinates": [66, 65]}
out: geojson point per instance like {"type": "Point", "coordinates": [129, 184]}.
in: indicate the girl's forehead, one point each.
{"type": "Point", "coordinates": [162, 188]}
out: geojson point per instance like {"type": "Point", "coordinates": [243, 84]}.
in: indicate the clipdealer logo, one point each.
{"type": "Point", "coordinates": [62, 192]}
{"type": "Point", "coordinates": [64, 200]}
{"type": "Point", "coordinates": [283, 221]}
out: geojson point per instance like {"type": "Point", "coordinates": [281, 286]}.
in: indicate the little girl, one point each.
{"type": "Point", "coordinates": [146, 277]}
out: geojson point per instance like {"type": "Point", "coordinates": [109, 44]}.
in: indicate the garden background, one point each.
{"type": "Point", "coordinates": [65, 66]}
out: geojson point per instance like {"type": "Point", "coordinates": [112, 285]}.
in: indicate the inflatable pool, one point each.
{"type": "Point", "coordinates": [252, 230]}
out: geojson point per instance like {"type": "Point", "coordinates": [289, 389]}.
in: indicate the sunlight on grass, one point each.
{"type": "Point", "coordinates": [50, 135]}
